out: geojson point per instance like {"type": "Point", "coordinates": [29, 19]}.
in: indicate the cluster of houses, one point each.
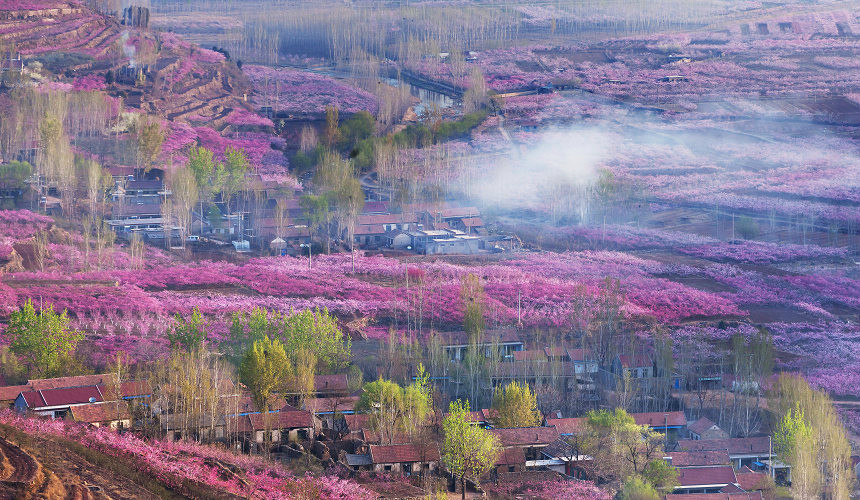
{"type": "Point", "coordinates": [711, 464]}
{"type": "Point", "coordinates": [136, 207]}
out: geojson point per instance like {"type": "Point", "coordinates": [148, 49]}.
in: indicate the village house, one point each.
{"type": "Point", "coordinates": [530, 439]}
{"type": "Point", "coordinates": [504, 342]}
{"type": "Point", "coordinates": [179, 426]}
{"type": "Point", "coordinates": [741, 451]}
{"type": "Point", "coordinates": [566, 426]}
{"type": "Point", "coordinates": [705, 479]}
{"type": "Point", "coordinates": [639, 366]}
{"type": "Point", "coordinates": [756, 495]}
{"type": "Point", "coordinates": [285, 425]}
{"type": "Point", "coordinates": [329, 410]}
{"type": "Point", "coordinates": [697, 458]}
{"type": "Point", "coordinates": [372, 230]}
{"type": "Point", "coordinates": [405, 458]}
{"type": "Point", "coordinates": [56, 402]}
{"type": "Point", "coordinates": [113, 415]}
{"type": "Point", "coordinates": [510, 460]}
{"type": "Point", "coordinates": [704, 428]}
{"type": "Point", "coordinates": [671, 423]}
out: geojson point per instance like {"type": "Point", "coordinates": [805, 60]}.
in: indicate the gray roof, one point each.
{"type": "Point", "coordinates": [353, 459]}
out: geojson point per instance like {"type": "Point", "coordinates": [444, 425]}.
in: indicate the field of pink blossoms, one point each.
{"type": "Point", "coordinates": [175, 463]}
{"type": "Point", "coordinates": [737, 284]}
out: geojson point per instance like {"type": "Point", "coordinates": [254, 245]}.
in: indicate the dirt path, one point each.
{"type": "Point", "coordinates": [23, 466]}
{"type": "Point", "coordinates": [69, 466]}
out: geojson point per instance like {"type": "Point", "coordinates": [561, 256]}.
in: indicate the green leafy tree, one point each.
{"type": "Point", "coordinates": [620, 447]}
{"type": "Point", "coordinates": [187, 334]}
{"type": "Point", "coordinates": [148, 138]}
{"type": "Point", "coordinates": [42, 339]}
{"type": "Point", "coordinates": [516, 405]}
{"type": "Point", "coordinates": [472, 294]}
{"type": "Point", "coordinates": [202, 163]}
{"type": "Point", "coordinates": [383, 399]}
{"type": "Point", "coordinates": [795, 442]}
{"type": "Point", "coordinates": [319, 333]}
{"type": "Point", "coordinates": [661, 475]}
{"type": "Point", "coordinates": [264, 370]}
{"type": "Point", "coordinates": [317, 213]}
{"type": "Point", "coordinates": [417, 402]}
{"type": "Point", "coordinates": [637, 488]}
{"type": "Point", "coordinates": [232, 175]}
{"type": "Point", "coordinates": [468, 451]}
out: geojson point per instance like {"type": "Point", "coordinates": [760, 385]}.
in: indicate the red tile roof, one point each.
{"type": "Point", "coordinates": [715, 496]}
{"type": "Point", "coordinates": [369, 229]}
{"type": "Point", "coordinates": [331, 383]}
{"type": "Point", "coordinates": [11, 392]}
{"type": "Point", "coordinates": [660, 419]}
{"type": "Point", "coordinates": [295, 419]}
{"type": "Point", "coordinates": [701, 425]}
{"type": "Point", "coordinates": [511, 456]}
{"type": "Point", "coordinates": [328, 405]}
{"type": "Point", "coordinates": [580, 354]}
{"type": "Point", "coordinates": [735, 446]}
{"type": "Point", "coordinates": [62, 397]}
{"type": "Point", "coordinates": [638, 361]}
{"type": "Point", "coordinates": [357, 422]}
{"type": "Point", "coordinates": [699, 458]}
{"type": "Point", "coordinates": [100, 412]}
{"type": "Point", "coordinates": [700, 476]}
{"type": "Point", "coordinates": [526, 436]}
{"type": "Point", "coordinates": [566, 425]}
{"type": "Point", "coordinates": [752, 481]}
{"type": "Point", "coordinates": [374, 219]}
{"type": "Point", "coordinates": [74, 381]}
{"type": "Point", "coordinates": [530, 355]}
{"type": "Point", "coordinates": [400, 453]}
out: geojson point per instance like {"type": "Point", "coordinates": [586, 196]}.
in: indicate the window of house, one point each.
{"type": "Point", "coordinates": [511, 468]}
{"type": "Point", "coordinates": [387, 468]}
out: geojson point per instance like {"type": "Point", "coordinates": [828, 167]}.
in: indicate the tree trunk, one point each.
{"type": "Point", "coordinates": [463, 484]}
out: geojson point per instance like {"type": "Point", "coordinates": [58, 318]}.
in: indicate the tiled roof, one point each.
{"type": "Point", "coordinates": [100, 412]}
{"type": "Point", "coordinates": [638, 361]}
{"type": "Point", "coordinates": [735, 446]}
{"type": "Point", "coordinates": [331, 383]}
{"type": "Point", "coordinates": [715, 496]}
{"type": "Point", "coordinates": [369, 229]}
{"type": "Point", "coordinates": [558, 449]}
{"type": "Point", "coordinates": [329, 405]}
{"type": "Point", "coordinates": [699, 476]}
{"type": "Point", "coordinates": [566, 425]}
{"type": "Point", "coordinates": [530, 355]}
{"type": "Point", "coordinates": [62, 397]}
{"type": "Point", "coordinates": [400, 453]}
{"type": "Point", "coordinates": [10, 392]}
{"type": "Point", "coordinates": [751, 481]}
{"type": "Point", "coordinates": [357, 422]}
{"type": "Point", "coordinates": [373, 219]}
{"type": "Point", "coordinates": [701, 425]}
{"type": "Point", "coordinates": [699, 458]}
{"type": "Point", "coordinates": [580, 354]}
{"type": "Point", "coordinates": [526, 436]}
{"type": "Point", "coordinates": [40, 384]}
{"type": "Point", "coordinates": [296, 419]}
{"type": "Point", "coordinates": [660, 419]}
{"type": "Point", "coordinates": [512, 456]}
